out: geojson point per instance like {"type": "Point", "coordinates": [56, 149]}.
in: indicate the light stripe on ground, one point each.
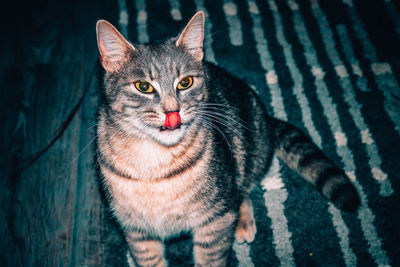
{"type": "Point", "coordinates": [365, 214]}
{"type": "Point", "coordinates": [275, 194]}
{"type": "Point", "coordinates": [143, 36]}
{"type": "Point", "coordinates": [208, 39]}
{"type": "Point", "coordinates": [123, 18]}
{"type": "Point", "coordinates": [385, 79]}
{"type": "Point", "coordinates": [242, 251]}
{"type": "Point", "coordinates": [296, 75]}
{"type": "Point", "coordinates": [388, 84]}
{"type": "Point", "coordinates": [175, 10]}
{"type": "Point", "coordinates": [235, 25]}
{"type": "Point", "coordinates": [374, 160]}
{"type": "Point", "coordinates": [266, 62]}
{"type": "Point", "coordinates": [340, 227]}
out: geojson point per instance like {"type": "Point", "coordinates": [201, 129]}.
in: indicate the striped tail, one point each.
{"type": "Point", "coordinates": [302, 155]}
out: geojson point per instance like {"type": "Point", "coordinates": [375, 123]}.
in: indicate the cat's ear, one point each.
{"type": "Point", "coordinates": [114, 49]}
{"type": "Point", "coordinates": [191, 38]}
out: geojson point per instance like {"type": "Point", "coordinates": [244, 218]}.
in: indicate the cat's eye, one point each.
{"type": "Point", "coordinates": [144, 87]}
{"type": "Point", "coordinates": [185, 83]}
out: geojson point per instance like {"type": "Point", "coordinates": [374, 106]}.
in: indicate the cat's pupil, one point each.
{"type": "Point", "coordinates": [144, 86]}
{"type": "Point", "coordinates": [185, 82]}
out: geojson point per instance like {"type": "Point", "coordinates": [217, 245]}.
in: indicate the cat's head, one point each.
{"type": "Point", "coordinates": [154, 91]}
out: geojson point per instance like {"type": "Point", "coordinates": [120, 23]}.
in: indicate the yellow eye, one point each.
{"type": "Point", "coordinates": [185, 83]}
{"type": "Point", "coordinates": [144, 87]}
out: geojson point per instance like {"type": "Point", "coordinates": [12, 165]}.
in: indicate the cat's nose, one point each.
{"type": "Point", "coordinates": [170, 104]}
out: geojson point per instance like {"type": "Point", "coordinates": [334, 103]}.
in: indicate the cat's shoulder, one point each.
{"type": "Point", "coordinates": [223, 82]}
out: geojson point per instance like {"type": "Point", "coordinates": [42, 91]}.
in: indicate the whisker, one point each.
{"type": "Point", "coordinates": [222, 111]}
{"type": "Point", "coordinates": [82, 150]}
{"type": "Point", "coordinates": [213, 126]}
{"type": "Point", "coordinates": [229, 122]}
{"type": "Point", "coordinates": [224, 108]}
{"type": "Point", "coordinates": [219, 105]}
{"type": "Point", "coordinates": [236, 120]}
{"type": "Point", "coordinates": [229, 126]}
{"type": "Point", "coordinates": [87, 145]}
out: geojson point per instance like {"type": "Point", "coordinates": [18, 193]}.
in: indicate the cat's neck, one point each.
{"type": "Point", "coordinates": [144, 158]}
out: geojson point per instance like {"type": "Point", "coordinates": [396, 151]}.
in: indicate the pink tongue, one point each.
{"type": "Point", "coordinates": [172, 120]}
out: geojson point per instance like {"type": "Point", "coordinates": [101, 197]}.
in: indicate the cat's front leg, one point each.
{"type": "Point", "coordinates": [213, 240]}
{"type": "Point", "coordinates": [146, 250]}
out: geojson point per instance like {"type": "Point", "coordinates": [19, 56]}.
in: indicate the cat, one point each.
{"type": "Point", "coordinates": [182, 143]}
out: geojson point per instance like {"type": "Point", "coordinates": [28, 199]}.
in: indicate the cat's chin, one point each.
{"type": "Point", "coordinates": [169, 137]}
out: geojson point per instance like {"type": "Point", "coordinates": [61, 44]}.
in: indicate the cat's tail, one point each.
{"type": "Point", "coordinates": [302, 155]}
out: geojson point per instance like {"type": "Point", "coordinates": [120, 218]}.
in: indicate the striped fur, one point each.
{"type": "Point", "coordinates": [197, 177]}
{"type": "Point", "coordinates": [299, 153]}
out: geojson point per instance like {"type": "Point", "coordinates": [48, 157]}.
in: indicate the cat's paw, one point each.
{"type": "Point", "coordinates": [246, 227]}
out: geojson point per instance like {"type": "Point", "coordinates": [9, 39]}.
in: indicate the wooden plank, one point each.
{"type": "Point", "coordinates": [43, 190]}
{"type": "Point", "coordinates": [12, 81]}
{"type": "Point", "coordinates": [85, 237]}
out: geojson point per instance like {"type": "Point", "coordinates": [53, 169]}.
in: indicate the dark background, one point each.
{"type": "Point", "coordinates": [51, 213]}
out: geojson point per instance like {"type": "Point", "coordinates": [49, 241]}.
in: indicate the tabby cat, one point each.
{"type": "Point", "coordinates": [182, 143]}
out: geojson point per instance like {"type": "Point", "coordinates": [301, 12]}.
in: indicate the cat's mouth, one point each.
{"type": "Point", "coordinates": [163, 128]}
